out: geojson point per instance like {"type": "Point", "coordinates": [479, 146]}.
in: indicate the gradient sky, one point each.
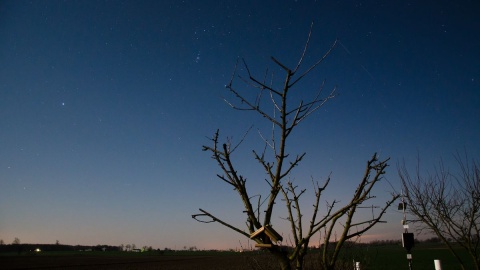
{"type": "Point", "coordinates": [104, 107]}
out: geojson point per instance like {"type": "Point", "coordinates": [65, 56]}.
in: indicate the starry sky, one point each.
{"type": "Point", "coordinates": [105, 105]}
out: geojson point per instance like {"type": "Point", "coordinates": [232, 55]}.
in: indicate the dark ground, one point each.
{"type": "Point", "coordinates": [387, 257]}
{"type": "Point", "coordinates": [115, 262]}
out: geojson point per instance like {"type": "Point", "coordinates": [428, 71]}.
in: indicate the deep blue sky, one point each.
{"type": "Point", "coordinates": [104, 107]}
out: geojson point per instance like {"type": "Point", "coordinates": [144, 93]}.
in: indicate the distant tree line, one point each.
{"type": "Point", "coordinates": [21, 248]}
{"type": "Point", "coordinates": [399, 241]}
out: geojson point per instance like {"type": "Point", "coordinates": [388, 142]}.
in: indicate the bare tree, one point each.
{"type": "Point", "coordinates": [16, 241]}
{"type": "Point", "coordinates": [278, 164]}
{"type": "Point", "coordinates": [447, 204]}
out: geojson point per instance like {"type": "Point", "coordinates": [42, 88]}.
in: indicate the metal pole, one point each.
{"type": "Point", "coordinates": [405, 226]}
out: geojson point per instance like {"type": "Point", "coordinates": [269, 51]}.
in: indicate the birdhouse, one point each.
{"type": "Point", "coordinates": [269, 232]}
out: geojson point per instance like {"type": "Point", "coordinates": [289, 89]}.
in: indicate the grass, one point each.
{"type": "Point", "coordinates": [390, 257]}
{"type": "Point", "coordinates": [423, 256]}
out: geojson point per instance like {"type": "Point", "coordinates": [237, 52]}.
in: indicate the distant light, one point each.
{"type": "Point", "coordinates": [63, 103]}
{"type": "Point", "coordinates": [37, 250]}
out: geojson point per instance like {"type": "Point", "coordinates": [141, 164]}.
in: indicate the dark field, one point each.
{"type": "Point", "coordinates": [81, 261]}
{"type": "Point", "coordinates": [391, 257]}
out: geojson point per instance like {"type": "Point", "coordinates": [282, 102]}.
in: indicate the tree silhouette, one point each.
{"type": "Point", "coordinates": [274, 158]}
{"type": "Point", "coordinates": [16, 241]}
{"type": "Point", "coordinates": [447, 204]}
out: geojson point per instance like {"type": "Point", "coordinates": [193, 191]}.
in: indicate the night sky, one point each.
{"type": "Point", "coordinates": [105, 105]}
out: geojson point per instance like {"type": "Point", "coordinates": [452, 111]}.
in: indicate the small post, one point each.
{"type": "Point", "coordinates": [356, 266]}
{"type": "Point", "coordinates": [409, 259]}
{"type": "Point", "coordinates": [438, 264]}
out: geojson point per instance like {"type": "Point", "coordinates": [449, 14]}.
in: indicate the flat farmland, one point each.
{"type": "Point", "coordinates": [391, 257]}
{"type": "Point", "coordinates": [81, 261]}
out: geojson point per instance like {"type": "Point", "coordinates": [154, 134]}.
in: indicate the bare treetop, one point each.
{"type": "Point", "coordinates": [273, 102]}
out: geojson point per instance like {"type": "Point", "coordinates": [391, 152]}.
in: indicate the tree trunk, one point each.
{"type": "Point", "coordinates": [299, 263]}
{"type": "Point", "coordinates": [327, 265]}
{"type": "Point", "coordinates": [282, 258]}
{"type": "Point", "coordinates": [476, 261]}
{"type": "Point", "coordinates": [285, 265]}
{"type": "Point", "coordinates": [330, 267]}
